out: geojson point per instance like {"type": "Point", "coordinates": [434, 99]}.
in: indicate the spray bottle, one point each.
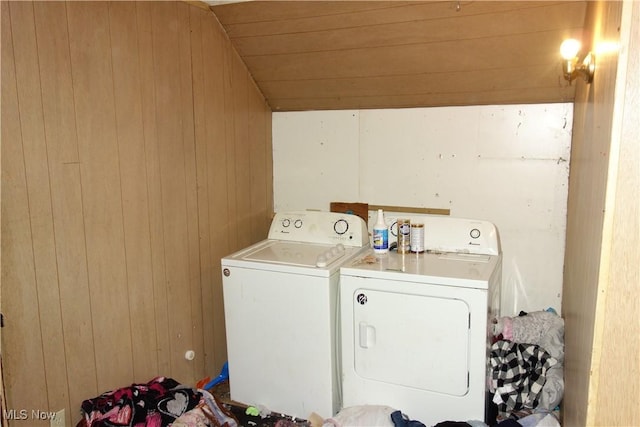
{"type": "Point", "coordinates": [380, 235]}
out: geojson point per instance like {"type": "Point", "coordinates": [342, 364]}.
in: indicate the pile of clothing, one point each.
{"type": "Point", "coordinates": [526, 363]}
{"type": "Point", "coordinates": [385, 416]}
{"type": "Point", "coordinates": [160, 402]}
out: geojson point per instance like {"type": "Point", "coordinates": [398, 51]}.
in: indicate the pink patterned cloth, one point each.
{"type": "Point", "coordinates": [154, 404]}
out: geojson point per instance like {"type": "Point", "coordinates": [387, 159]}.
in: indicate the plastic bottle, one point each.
{"type": "Point", "coordinates": [380, 235]}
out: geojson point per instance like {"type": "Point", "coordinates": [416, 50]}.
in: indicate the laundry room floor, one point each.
{"type": "Point", "coordinates": [238, 409]}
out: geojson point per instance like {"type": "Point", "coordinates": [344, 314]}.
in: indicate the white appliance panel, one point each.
{"type": "Point", "coordinates": [293, 257]}
{"type": "Point", "coordinates": [290, 253]}
{"type": "Point", "coordinates": [280, 299]}
{"type": "Point", "coordinates": [319, 227]}
{"type": "Point", "coordinates": [415, 328]}
{"type": "Point", "coordinates": [278, 314]}
{"type": "Point", "coordinates": [453, 269]}
{"type": "Point", "coordinates": [389, 328]}
{"type": "Point", "coordinates": [446, 234]}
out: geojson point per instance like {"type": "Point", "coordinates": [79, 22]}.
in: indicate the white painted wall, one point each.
{"type": "Point", "coordinates": [505, 164]}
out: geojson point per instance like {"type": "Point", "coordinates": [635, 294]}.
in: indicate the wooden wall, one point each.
{"type": "Point", "coordinates": [136, 152]}
{"type": "Point", "coordinates": [616, 367]}
{"type": "Point", "coordinates": [602, 263]}
{"type": "Point", "coordinates": [353, 55]}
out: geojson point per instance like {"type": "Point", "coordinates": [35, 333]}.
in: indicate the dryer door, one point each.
{"type": "Point", "coordinates": [412, 340]}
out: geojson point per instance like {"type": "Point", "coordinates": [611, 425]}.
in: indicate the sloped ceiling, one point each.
{"type": "Point", "coordinates": [311, 55]}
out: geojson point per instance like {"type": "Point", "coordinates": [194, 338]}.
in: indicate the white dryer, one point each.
{"type": "Point", "coordinates": [280, 303]}
{"type": "Point", "coordinates": [415, 328]}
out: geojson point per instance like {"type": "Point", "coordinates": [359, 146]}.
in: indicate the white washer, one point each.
{"type": "Point", "coordinates": [416, 329]}
{"type": "Point", "coordinates": [280, 300]}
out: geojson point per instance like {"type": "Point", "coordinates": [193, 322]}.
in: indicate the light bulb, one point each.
{"type": "Point", "coordinates": [569, 48]}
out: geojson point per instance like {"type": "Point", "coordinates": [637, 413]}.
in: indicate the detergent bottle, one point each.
{"type": "Point", "coordinates": [380, 235]}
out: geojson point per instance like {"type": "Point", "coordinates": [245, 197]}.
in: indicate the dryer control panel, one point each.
{"type": "Point", "coordinates": [447, 234]}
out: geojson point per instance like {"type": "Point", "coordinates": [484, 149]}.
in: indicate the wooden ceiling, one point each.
{"type": "Point", "coordinates": [322, 55]}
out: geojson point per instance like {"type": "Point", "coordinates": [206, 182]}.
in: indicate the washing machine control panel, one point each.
{"type": "Point", "coordinates": [319, 227]}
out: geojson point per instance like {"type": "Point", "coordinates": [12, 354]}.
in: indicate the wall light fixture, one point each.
{"type": "Point", "coordinates": [572, 66]}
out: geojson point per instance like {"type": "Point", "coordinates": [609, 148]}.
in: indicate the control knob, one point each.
{"type": "Point", "coordinates": [341, 226]}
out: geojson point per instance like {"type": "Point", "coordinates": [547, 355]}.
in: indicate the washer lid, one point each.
{"type": "Point", "coordinates": [289, 256]}
{"type": "Point", "coordinates": [289, 253]}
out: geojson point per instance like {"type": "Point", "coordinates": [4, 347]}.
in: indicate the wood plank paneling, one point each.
{"type": "Point", "coordinates": [370, 16]}
{"type": "Point", "coordinates": [116, 201]}
{"type": "Point", "coordinates": [220, 219]}
{"type": "Point", "coordinates": [601, 262]}
{"type": "Point", "coordinates": [191, 192]}
{"type": "Point", "coordinates": [66, 199]}
{"type": "Point", "coordinates": [495, 97]}
{"type": "Point", "coordinates": [268, 149]}
{"type": "Point", "coordinates": [617, 308]}
{"type": "Point", "coordinates": [242, 154]}
{"type": "Point", "coordinates": [379, 72]}
{"type": "Point", "coordinates": [468, 83]}
{"type": "Point", "coordinates": [585, 216]}
{"type": "Point", "coordinates": [338, 56]}
{"type": "Point", "coordinates": [171, 155]}
{"type": "Point", "coordinates": [258, 159]}
{"type": "Point", "coordinates": [40, 209]}
{"type": "Point", "coordinates": [17, 243]}
{"type": "Point", "coordinates": [200, 132]}
{"type": "Point", "coordinates": [477, 54]}
{"type": "Point", "coordinates": [426, 24]}
{"type": "Point", "coordinates": [92, 72]}
{"type": "Point", "coordinates": [144, 15]}
{"type": "Point", "coordinates": [230, 149]}
{"type": "Point", "coordinates": [256, 12]}
{"type": "Point", "coordinates": [135, 205]}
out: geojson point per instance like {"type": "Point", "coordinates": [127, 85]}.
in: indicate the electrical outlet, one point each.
{"type": "Point", "coordinates": [58, 420]}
